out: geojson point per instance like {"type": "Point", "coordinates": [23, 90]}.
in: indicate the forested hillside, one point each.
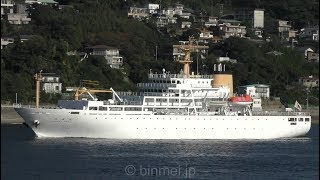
{"type": "Point", "coordinates": [89, 22]}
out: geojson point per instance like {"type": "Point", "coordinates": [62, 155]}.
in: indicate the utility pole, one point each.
{"type": "Point", "coordinates": [156, 53]}
{"type": "Point", "coordinates": [307, 98]}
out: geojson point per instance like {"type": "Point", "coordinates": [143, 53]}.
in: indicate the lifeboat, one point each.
{"type": "Point", "coordinates": [241, 100]}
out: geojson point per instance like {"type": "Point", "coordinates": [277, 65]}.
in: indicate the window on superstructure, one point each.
{"type": "Point", "coordinates": [93, 108]}
{"type": "Point", "coordinates": [115, 108]}
{"type": "Point", "coordinates": [307, 119]}
{"type": "Point", "coordinates": [102, 108]}
{"type": "Point", "coordinates": [291, 119]}
{"type": "Point", "coordinates": [300, 119]}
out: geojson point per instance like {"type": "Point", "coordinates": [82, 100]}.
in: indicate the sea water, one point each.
{"type": "Point", "coordinates": [24, 157]}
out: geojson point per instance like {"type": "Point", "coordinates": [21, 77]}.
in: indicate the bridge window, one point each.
{"type": "Point", "coordinates": [300, 119]}
{"type": "Point", "coordinates": [307, 119]}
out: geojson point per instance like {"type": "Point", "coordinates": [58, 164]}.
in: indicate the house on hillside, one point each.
{"type": "Point", "coordinates": [153, 8]}
{"type": "Point", "coordinates": [310, 33]}
{"type": "Point", "coordinates": [14, 18]}
{"type": "Point", "coordinates": [312, 56]}
{"type": "Point", "coordinates": [309, 81]}
{"type": "Point", "coordinates": [185, 24]}
{"type": "Point", "coordinates": [5, 41]}
{"type": "Point", "coordinates": [256, 90]}
{"type": "Point", "coordinates": [228, 30]}
{"type": "Point", "coordinates": [7, 7]}
{"type": "Point", "coordinates": [138, 13]}
{"type": "Point", "coordinates": [211, 21]}
{"type": "Point", "coordinates": [205, 36]}
{"type": "Point", "coordinates": [51, 84]}
{"type": "Point", "coordinates": [43, 2]}
{"type": "Point", "coordinates": [111, 54]}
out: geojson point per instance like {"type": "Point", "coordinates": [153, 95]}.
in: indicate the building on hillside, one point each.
{"type": "Point", "coordinates": [43, 2]}
{"type": "Point", "coordinates": [185, 24]}
{"type": "Point", "coordinates": [284, 30]}
{"type": "Point", "coordinates": [255, 16]}
{"type": "Point", "coordinates": [18, 18]}
{"type": "Point", "coordinates": [153, 8]}
{"type": "Point", "coordinates": [163, 21]}
{"type": "Point", "coordinates": [228, 30]}
{"type": "Point", "coordinates": [309, 81]}
{"type": "Point", "coordinates": [211, 21]}
{"type": "Point", "coordinates": [138, 13]}
{"type": "Point", "coordinates": [5, 41]}
{"type": "Point", "coordinates": [256, 90]}
{"type": "Point", "coordinates": [312, 56]}
{"type": "Point", "coordinates": [7, 7]}
{"type": "Point", "coordinates": [289, 35]}
{"type": "Point", "coordinates": [51, 84]}
{"type": "Point", "coordinates": [310, 33]}
{"type": "Point", "coordinates": [205, 36]}
{"type": "Point", "coordinates": [111, 54]}
{"type": "Point", "coordinates": [226, 59]}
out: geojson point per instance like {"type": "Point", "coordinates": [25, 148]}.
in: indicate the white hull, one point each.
{"type": "Point", "coordinates": [95, 124]}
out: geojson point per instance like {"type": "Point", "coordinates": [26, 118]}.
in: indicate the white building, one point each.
{"type": "Point", "coordinates": [205, 36]}
{"type": "Point", "coordinates": [138, 13]}
{"type": "Point", "coordinates": [6, 7]}
{"type": "Point", "coordinates": [258, 18]}
{"type": "Point", "coordinates": [212, 21]}
{"type": "Point", "coordinates": [226, 59]}
{"type": "Point", "coordinates": [111, 54]}
{"type": "Point", "coordinates": [153, 8]}
{"type": "Point", "coordinates": [18, 18]}
{"type": "Point", "coordinates": [5, 41]}
{"type": "Point", "coordinates": [229, 30]}
{"type": "Point", "coordinates": [309, 81]}
{"type": "Point", "coordinates": [51, 84]}
{"type": "Point", "coordinates": [256, 90]}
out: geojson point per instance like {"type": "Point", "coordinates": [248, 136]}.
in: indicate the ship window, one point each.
{"type": "Point", "coordinates": [115, 108]}
{"type": "Point", "coordinates": [74, 112]}
{"type": "Point", "coordinates": [300, 119]}
{"type": "Point", "coordinates": [291, 119]}
{"type": "Point", "coordinates": [307, 119]}
{"type": "Point", "coordinates": [93, 108]}
{"type": "Point", "coordinates": [178, 82]}
{"type": "Point", "coordinates": [102, 108]}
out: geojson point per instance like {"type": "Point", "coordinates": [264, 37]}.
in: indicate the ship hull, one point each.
{"type": "Point", "coordinates": [116, 125]}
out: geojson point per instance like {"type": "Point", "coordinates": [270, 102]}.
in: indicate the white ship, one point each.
{"type": "Point", "coordinates": [169, 106]}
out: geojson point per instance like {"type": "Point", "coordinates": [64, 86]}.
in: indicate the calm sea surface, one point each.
{"type": "Point", "coordinates": [24, 157]}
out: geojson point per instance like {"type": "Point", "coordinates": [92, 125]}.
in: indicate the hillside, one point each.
{"type": "Point", "coordinates": [58, 31]}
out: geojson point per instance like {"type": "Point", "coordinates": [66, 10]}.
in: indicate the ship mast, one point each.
{"type": "Point", "coordinates": [188, 49]}
{"type": "Point", "coordinates": [38, 78]}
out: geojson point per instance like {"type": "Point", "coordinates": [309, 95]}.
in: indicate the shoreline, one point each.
{"type": "Point", "coordinates": [10, 116]}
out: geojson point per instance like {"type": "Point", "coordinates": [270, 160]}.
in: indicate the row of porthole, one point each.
{"type": "Point", "coordinates": [179, 119]}
{"type": "Point", "coordinates": [200, 128]}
